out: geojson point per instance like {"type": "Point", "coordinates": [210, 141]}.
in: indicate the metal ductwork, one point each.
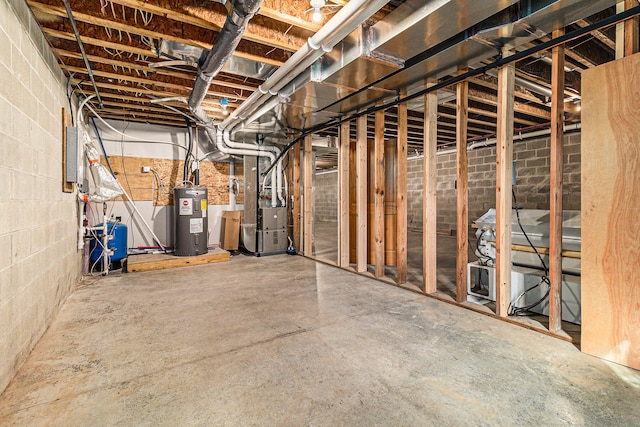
{"type": "Point", "coordinates": [223, 47]}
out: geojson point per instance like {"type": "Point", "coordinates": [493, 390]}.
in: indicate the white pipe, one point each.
{"type": "Point", "coordinates": [275, 173]}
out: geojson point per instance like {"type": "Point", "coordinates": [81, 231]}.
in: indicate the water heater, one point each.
{"type": "Point", "coordinates": [191, 231]}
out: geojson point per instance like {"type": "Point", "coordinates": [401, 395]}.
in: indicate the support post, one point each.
{"type": "Point", "coordinates": [308, 197]}
{"type": "Point", "coordinates": [462, 191]}
{"type": "Point", "coordinates": [429, 185]}
{"type": "Point", "coordinates": [361, 194]}
{"type": "Point", "coordinates": [296, 197]}
{"type": "Point", "coordinates": [504, 170]}
{"type": "Point", "coordinates": [378, 209]}
{"type": "Point", "coordinates": [401, 201]}
{"type": "Point", "coordinates": [555, 186]}
{"type": "Point", "coordinates": [631, 36]}
{"type": "Point", "coordinates": [343, 196]}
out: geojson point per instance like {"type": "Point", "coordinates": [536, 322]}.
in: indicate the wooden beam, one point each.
{"type": "Point", "coordinates": [462, 191]}
{"type": "Point", "coordinates": [504, 168]}
{"type": "Point", "coordinates": [401, 197]}
{"type": "Point", "coordinates": [308, 197]}
{"type": "Point", "coordinates": [555, 186]}
{"type": "Point", "coordinates": [149, 82]}
{"type": "Point", "coordinates": [146, 69]}
{"type": "Point", "coordinates": [361, 194]}
{"type": "Point", "coordinates": [379, 183]}
{"type": "Point", "coordinates": [343, 195]}
{"type": "Point", "coordinates": [296, 197]}
{"type": "Point", "coordinates": [214, 22]}
{"type": "Point", "coordinates": [429, 185]}
{"type": "Point", "coordinates": [631, 30]}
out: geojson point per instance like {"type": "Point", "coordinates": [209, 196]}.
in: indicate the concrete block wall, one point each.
{"type": "Point", "coordinates": [532, 183]}
{"type": "Point", "coordinates": [39, 261]}
{"type": "Point", "coordinates": [325, 201]}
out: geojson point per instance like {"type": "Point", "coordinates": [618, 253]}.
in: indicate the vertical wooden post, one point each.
{"type": "Point", "coordinates": [343, 196]}
{"type": "Point", "coordinates": [308, 197]}
{"type": "Point", "coordinates": [555, 186]}
{"type": "Point", "coordinates": [631, 36]}
{"type": "Point", "coordinates": [462, 191]}
{"type": "Point", "coordinates": [296, 197]}
{"type": "Point", "coordinates": [378, 209]}
{"type": "Point", "coordinates": [430, 178]}
{"type": "Point", "coordinates": [401, 201]}
{"type": "Point", "coordinates": [504, 170]}
{"type": "Point", "coordinates": [361, 194]}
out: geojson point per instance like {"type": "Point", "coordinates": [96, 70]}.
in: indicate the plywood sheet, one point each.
{"type": "Point", "coordinates": [610, 209]}
{"type": "Point", "coordinates": [144, 186]}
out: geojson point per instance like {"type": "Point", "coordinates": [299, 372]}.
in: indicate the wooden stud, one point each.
{"type": "Point", "coordinates": [631, 31]}
{"type": "Point", "coordinates": [429, 185]}
{"type": "Point", "coordinates": [555, 185]}
{"type": "Point", "coordinates": [401, 201]}
{"type": "Point", "coordinates": [462, 191]}
{"type": "Point", "coordinates": [343, 195]}
{"type": "Point", "coordinates": [308, 197]}
{"type": "Point", "coordinates": [504, 170]}
{"type": "Point", "coordinates": [296, 197]}
{"type": "Point", "coordinates": [67, 187]}
{"type": "Point", "coordinates": [379, 183]}
{"type": "Point", "coordinates": [361, 194]}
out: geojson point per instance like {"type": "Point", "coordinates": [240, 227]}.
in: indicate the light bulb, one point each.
{"type": "Point", "coordinates": [317, 15]}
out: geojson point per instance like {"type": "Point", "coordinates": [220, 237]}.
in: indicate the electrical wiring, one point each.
{"type": "Point", "coordinates": [520, 311]}
{"type": "Point", "coordinates": [161, 186]}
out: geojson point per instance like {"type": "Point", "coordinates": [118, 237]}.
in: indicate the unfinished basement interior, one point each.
{"type": "Point", "coordinates": [320, 212]}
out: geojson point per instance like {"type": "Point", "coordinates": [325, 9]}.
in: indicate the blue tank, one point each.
{"type": "Point", "coordinates": [118, 243]}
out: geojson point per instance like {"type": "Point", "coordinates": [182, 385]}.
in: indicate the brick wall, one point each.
{"type": "Point", "coordinates": [39, 262]}
{"type": "Point", "coordinates": [532, 182]}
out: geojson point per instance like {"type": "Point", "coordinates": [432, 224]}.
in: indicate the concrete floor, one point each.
{"type": "Point", "coordinates": [283, 340]}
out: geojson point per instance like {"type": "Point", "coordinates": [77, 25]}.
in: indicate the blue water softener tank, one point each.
{"type": "Point", "coordinates": [117, 243]}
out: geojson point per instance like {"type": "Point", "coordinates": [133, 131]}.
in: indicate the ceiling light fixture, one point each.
{"type": "Point", "coordinates": [317, 14]}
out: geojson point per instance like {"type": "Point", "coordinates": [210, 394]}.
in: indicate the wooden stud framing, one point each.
{"type": "Point", "coordinates": [430, 178]}
{"type": "Point", "coordinates": [361, 194]}
{"type": "Point", "coordinates": [343, 195]}
{"type": "Point", "coordinates": [631, 30]}
{"type": "Point", "coordinates": [401, 201]}
{"type": "Point", "coordinates": [555, 185]}
{"type": "Point", "coordinates": [296, 197]}
{"type": "Point", "coordinates": [378, 209]}
{"type": "Point", "coordinates": [462, 191]}
{"type": "Point", "coordinates": [308, 197]}
{"type": "Point", "coordinates": [504, 170]}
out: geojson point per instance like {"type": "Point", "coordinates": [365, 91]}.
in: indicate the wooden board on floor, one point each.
{"type": "Point", "coordinates": [149, 262]}
{"type": "Point", "coordinates": [610, 206]}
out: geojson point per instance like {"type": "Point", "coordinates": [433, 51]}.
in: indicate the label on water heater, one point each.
{"type": "Point", "coordinates": [186, 206]}
{"type": "Point", "coordinates": [195, 225]}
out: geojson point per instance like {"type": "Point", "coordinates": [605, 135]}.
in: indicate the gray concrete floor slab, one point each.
{"type": "Point", "coordinates": [283, 340]}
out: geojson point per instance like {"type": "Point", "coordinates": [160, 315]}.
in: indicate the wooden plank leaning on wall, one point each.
{"type": "Point", "coordinates": [504, 202]}
{"type": "Point", "coordinates": [430, 177]}
{"type": "Point", "coordinates": [555, 186]}
{"type": "Point", "coordinates": [308, 197]}
{"type": "Point", "coordinates": [343, 196]}
{"type": "Point", "coordinates": [401, 200]}
{"type": "Point", "coordinates": [462, 190]}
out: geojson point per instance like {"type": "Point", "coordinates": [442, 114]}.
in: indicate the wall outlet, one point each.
{"type": "Point", "coordinates": [146, 169]}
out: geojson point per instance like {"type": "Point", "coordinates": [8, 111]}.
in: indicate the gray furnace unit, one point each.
{"type": "Point", "coordinates": [190, 210]}
{"type": "Point", "coordinates": [264, 229]}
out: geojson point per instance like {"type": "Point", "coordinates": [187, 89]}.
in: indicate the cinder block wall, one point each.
{"type": "Point", "coordinates": [325, 197]}
{"type": "Point", "coordinates": [532, 183]}
{"type": "Point", "coordinates": [39, 263]}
